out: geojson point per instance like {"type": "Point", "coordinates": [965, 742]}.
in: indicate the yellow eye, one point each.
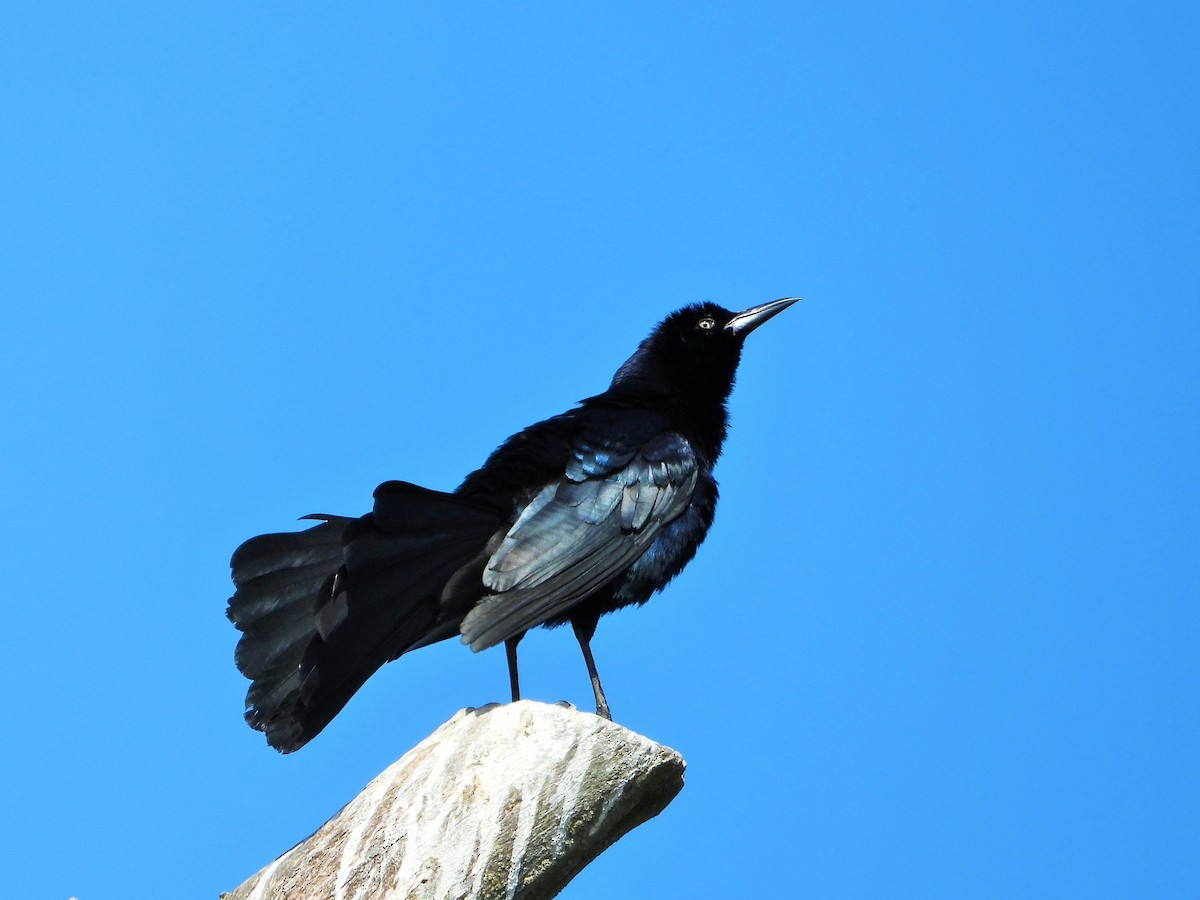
{"type": "Point", "coordinates": [707, 322]}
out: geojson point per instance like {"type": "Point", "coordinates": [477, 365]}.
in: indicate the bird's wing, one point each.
{"type": "Point", "coordinates": [578, 533]}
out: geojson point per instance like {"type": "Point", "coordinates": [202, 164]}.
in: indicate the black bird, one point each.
{"type": "Point", "coordinates": [570, 519]}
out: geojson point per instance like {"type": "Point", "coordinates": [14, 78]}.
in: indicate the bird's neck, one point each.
{"type": "Point", "coordinates": [699, 414]}
{"type": "Point", "coordinates": [691, 391]}
{"type": "Point", "coordinates": [705, 425]}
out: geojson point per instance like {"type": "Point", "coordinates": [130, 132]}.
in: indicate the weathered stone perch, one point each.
{"type": "Point", "coordinates": [504, 801]}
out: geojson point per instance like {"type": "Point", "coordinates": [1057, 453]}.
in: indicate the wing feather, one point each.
{"type": "Point", "coordinates": [581, 532]}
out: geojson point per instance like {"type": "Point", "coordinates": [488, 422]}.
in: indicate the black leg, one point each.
{"type": "Point", "coordinates": [585, 627]}
{"type": "Point", "coordinates": [510, 647]}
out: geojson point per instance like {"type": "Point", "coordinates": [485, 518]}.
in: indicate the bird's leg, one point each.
{"type": "Point", "coordinates": [510, 648]}
{"type": "Point", "coordinates": [585, 627]}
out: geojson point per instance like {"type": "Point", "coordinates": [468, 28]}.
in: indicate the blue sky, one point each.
{"type": "Point", "coordinates": [942, 639]}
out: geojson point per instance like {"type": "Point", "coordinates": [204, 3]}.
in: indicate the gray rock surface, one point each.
{"type": "Point", "coordinates": [504, 801]}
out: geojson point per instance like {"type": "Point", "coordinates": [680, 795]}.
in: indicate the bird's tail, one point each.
{"type": "Point", "coordinates": [321, 610]}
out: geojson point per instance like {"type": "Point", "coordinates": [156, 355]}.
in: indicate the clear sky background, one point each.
{"type": "Point", "coordinates": [943, 638]}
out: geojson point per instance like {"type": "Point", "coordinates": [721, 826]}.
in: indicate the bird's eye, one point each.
{"type": "Point", "coordinates": [707, 323]}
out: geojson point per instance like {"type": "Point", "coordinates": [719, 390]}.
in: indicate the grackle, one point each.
{"type": "Point", "coordinates": [570, 519]}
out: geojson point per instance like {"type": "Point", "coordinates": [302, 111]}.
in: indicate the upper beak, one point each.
{"type": "Point", "coordinates": [748, 319]}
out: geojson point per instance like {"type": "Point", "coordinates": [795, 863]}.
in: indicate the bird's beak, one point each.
{"type": "Point", "coordinates": [748, 319]}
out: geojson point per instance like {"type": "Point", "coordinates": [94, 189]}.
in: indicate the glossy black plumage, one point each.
{"type": "Point", "coordinates": [567, 520]}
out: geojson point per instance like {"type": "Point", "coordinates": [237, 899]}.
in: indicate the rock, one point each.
{"type": "Point", "coordinates": [504, 801]}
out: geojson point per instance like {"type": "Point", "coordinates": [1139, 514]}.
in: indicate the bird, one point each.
{"type": "Point", "coordinates": [589, 511]}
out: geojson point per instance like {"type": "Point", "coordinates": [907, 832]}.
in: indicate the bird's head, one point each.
{"type": "Point", "coordinates": [695, 350]}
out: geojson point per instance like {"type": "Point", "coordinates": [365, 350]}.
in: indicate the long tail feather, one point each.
{"type": "Point", "coordinates": [323, 609]}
